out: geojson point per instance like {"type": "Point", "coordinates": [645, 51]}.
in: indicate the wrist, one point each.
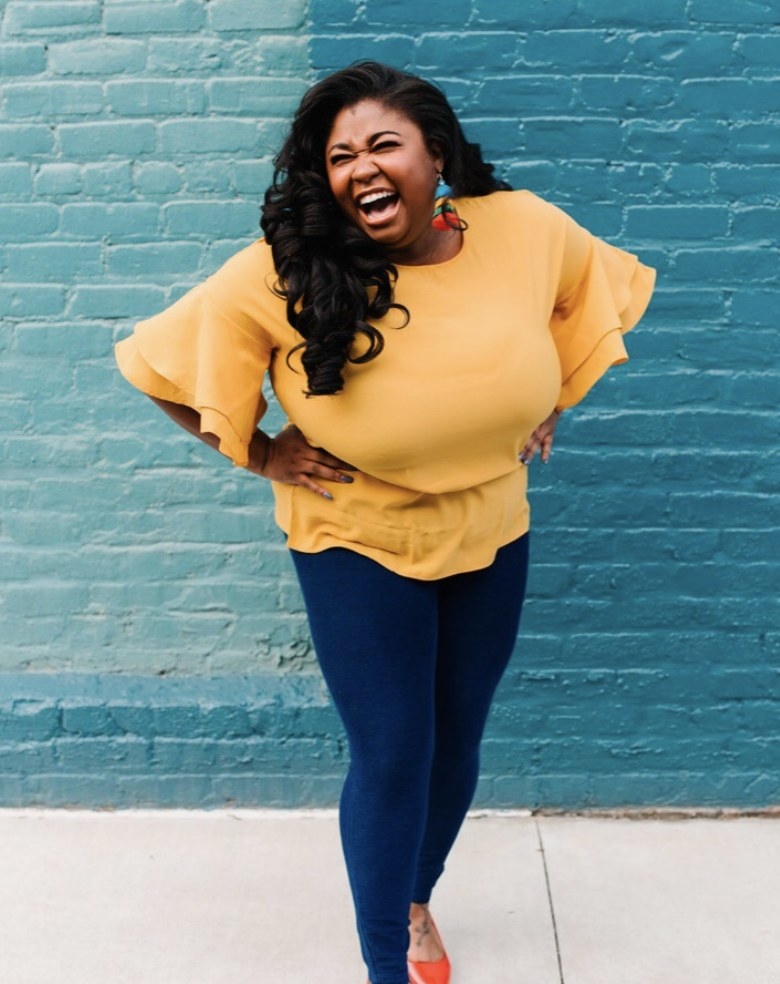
{"type": "Point", "coordinates": [259, 452]}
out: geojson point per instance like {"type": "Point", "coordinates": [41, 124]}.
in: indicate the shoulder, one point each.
{"type": "Point", "coordinates": [243, 290]}
{"type": "Point", "coordinates": [250, 265]}
{"type": "Point", "coordinates": [512, 211]}
{"type": "Point", "coordinates": [520, 203]}
{"type": "Point", "coordinates": [248, 278]}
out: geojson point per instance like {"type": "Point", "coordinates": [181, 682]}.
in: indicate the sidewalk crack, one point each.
{"type": "Point", "coordinates": [550, 901]}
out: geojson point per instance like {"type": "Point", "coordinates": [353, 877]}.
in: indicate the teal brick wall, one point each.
{"type": "Point", "coordinates": [153, 647]}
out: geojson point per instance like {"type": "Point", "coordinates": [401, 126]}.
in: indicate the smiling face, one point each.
{"type": "Point", "coordinates": [383, 176]}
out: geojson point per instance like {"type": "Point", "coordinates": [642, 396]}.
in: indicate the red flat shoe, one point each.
{"type": "Point", "coordinates": [429, 971]}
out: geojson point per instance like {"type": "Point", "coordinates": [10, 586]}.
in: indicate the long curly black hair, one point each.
{"type": "Point", "coordinates": [332, 276]}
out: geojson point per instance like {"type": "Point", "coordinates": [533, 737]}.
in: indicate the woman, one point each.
{"type": "Point", "coordinates": [423, 342]}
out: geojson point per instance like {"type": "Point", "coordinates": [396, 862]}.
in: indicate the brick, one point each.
{"type": "Point", "coordinates": [727, 96]}
{"type": "Point", "coordinates": [22, 59]}
{"type": "Point", "coordinates": [75, 339]}
{"type": "Point", "coordinates": [747, 183]}
{"type": "Point", "coordinates": [260, 15]}
{"type": "Point", "coordinates": [329, 53]}
{"type": "Point", "coordinates": [15, 181]}
{"type": "Point", "coordinates": [156, 178]}
{"type": "Point", "coordinates": [181, 137]}
{"type": "Point", "coordinates": [60, 262]}
{"type": "Point", "coordinates": [434, 50]}
{"type": "Point", "coordinates": [631, 181]}
{"type": "Point", "coordinates": [112, 179]}
{"type": "Point", "coordinates": [87, 720]}
{"type": "Point", "coordinates": [269, 97]}
{"type": "Point", "coordinates": [537, 176]}
{"type": "Point", "coordinates": [533, 15]}
{"type": "Point", "coordinates": [58, 179]}
{"type": "Point", "coordinates": [153, 260]}
{"type": "Point", "coordinates": [755, 307]}
{"type": "Point", "coordinates": [252, 177]}
{"type": "Point", "coordinates": [690, 181]}
{"type": "Point", "coordinates": [334, 12]}
{"type": "Point", "coordinates": [692, 140]}
{"type": "Point", "coordinates": [696, 347]}
{"type": "Point", "coordinates": [115, 223]}
{"type": "Point", "coordinates": [756, 52]}
{"type": "Point", "coordinates": [208, 178]}
{"type": "Point", "coordinates": [676, 222]}
{"type": "Point", "coordinates": [186, 16]}
{"type": "Point", "coordinates": [170, 54]}
{"type": "Point", "coordinates": [89, 754]}
{"type": "Point", "coordinates": [701, 305]}
{"type": "Point", "coordinates": [110, 57]}
{"type": "Point", "coordinates": [52, 100]}
{"type": "Point", "coordinates": [25, 140]}
{"type": "Point", "coordinates": [442, 13]}
{"type": "Point", "coordinates": [489, 134]}
{"type": "Point", "coordinates": [534, 93]}
{"type": "Point", "coordinates": [626, 94]}
{"type": "Point", "coordinates": [598, 50]}
{"type": "Point", "coordinates": [28, 756]}
{"type": "Point", "coordinates": [215, 219]}
{"type": "Point", "coordinates": [96, 140]}
{"type": "Point", "coordinates": [157, 98]}
{"type": "Point", "coordinates": [754, 142]}
{"type": "Point", "coordinates": [668, 12]}
{"type": "Point", "coordinates": [754, 12]}
{"type": "Point", "coordinates": [28, 720]}
{"type": "Point", "coordinates": [755, 223]}
{"type": "Point", "coordinates": [19, 301]}
{"type": "Point", "coordinates": [277, 55]}
{"type": "Point", "coordinates": [19, 222]}
{"type": "Point", "coordinates": [42, 599]}
{"type": "Point", "coordinates": [683, 53]}
{"type": "Point", "coordinates": [28, 18]}
{"type": "Point", "coordinates": [115, 302]}
{"type": "Point", "coordinates": [572, 137]}
{"type": "Point", "coordinates": [734, 266]}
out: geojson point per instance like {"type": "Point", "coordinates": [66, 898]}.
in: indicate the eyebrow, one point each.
{"type": "Point", "coordinates": [372, 139]}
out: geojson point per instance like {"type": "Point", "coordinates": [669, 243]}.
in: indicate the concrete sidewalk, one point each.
{"type": "Point", "coordinates": [174, 897]}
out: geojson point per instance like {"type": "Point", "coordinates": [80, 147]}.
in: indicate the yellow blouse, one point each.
{"type": "Point", "coordinates": [526, 317]}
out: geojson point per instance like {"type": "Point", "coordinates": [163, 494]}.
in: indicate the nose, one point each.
{"type": "Point", "coordinates": [364, 167]}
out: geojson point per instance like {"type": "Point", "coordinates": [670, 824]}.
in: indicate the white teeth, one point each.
{"type": "Point", "coordinates": [375, 197]}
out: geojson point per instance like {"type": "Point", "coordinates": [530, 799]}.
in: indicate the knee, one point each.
{"type": "Point", "coordinates": [394, 772]}
{"type": "Point", "coordinates": [458, 744]}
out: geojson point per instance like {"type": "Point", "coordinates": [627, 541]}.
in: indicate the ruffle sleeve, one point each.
{"type": "Point", "coordinates": [195, 354]}
{"type": "Point", "coordinates": [603, 293]}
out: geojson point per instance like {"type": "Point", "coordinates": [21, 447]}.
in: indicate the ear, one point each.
{"type": "Point", "coordinates": [436, 156]}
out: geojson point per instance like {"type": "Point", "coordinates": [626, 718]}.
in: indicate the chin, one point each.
{"type": "Point", "coordinates": [385, 237]}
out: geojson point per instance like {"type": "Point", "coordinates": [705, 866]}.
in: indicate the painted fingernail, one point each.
{"type": "Point", "coordinates": [346, 478]}
{"type": "Point", "coordinates": [327, 495]}
{"type": "Point", "coordinates": [522, 460]}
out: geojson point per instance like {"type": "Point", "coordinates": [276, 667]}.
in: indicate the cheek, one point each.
{"type": "Point", "coordinates": [336, 182]}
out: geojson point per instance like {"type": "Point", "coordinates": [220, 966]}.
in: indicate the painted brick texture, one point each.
{"type": "Point", "coordinates": [153, 647]}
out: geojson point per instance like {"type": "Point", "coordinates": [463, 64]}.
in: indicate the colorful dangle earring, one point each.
{"type": "Point", "coordinates": [445, 215]}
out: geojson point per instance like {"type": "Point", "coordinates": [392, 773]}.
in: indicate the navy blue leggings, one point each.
{"type": "Point", "coordinates": [412, 667]}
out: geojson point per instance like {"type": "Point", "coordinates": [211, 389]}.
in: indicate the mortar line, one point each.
{"type": "Point", "coordinates": [550, 901]}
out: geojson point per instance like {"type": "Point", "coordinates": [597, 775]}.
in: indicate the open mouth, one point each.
{"type": "Point", "coordinates": [378, 204]}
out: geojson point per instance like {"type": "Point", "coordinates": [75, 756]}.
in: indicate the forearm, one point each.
{"type": "Point", "coordinates": [189, 420]}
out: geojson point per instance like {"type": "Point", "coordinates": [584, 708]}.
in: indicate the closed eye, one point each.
{"type": "Point", "coordinates": [384, 145]}
{"type": "Point", "coordinates": [340, 159]}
